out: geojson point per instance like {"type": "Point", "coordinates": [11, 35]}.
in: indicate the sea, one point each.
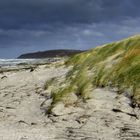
{"type": "Point", "coordinates": [12, 62]}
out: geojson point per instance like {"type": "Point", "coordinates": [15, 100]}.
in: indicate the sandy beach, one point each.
{"type": "Point", "coordinates": [106, 116]}
{"type": "Point", "coordinates": [20, 112]}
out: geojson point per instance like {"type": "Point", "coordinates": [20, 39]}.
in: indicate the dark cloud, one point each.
{"type": "Point", "coordinates": [25, 13]}
{"type": "Point", "coordinates": [22, 14]}
{"type": "Point", "coordinates": [45, 24]}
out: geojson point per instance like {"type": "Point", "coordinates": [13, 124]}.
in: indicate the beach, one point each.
{"type": "Point", "coordinates": [23, 102]}
{"type": "Point", "coordinates": [20, 102]}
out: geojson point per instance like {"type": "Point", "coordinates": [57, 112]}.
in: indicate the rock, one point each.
{"type": "Point", "coordinates": [32, 69]}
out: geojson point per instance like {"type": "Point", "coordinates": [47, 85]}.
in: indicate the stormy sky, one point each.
{"type": "Point", "coordinates": [37, 25]}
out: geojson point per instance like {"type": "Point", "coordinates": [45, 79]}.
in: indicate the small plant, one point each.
{"type": "Point", "coordinates": [50, 82]}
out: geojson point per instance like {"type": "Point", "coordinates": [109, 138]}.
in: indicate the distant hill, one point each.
{"type": "Point", "coordinates": [50, 53]}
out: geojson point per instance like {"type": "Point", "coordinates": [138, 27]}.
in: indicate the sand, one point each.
{"type": "Point", "coordinates": [106, 116]}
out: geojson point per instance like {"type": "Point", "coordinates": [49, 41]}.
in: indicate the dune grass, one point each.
{"type": "Point", "coordinates": [116, 64]}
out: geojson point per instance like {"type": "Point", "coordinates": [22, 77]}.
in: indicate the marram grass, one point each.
{"type": "Point", "coordinates": [116, 64]}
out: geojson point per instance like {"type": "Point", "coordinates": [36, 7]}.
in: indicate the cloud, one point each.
{"type": "Point", "coordinates": [33, 25]}
{"type": "Point", "coordinates": [31, 13]}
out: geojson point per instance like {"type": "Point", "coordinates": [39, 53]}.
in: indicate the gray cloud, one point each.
{"type": "Point", "coordinates": [30, 13]}
{"type": "Point", "coordinates": [32, 25]}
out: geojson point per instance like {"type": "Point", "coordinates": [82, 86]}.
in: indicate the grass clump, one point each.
{"type": "Point", "coordinates": [66, 95]}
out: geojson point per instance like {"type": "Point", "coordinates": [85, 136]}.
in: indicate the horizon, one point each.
{"type": "Point", "coordinates": [33, 26]}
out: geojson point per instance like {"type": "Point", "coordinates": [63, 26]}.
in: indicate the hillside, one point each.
{"type": "Point", "coordinates": [115, 66]}
{"type": "Point", "coordinates": [50, 53]}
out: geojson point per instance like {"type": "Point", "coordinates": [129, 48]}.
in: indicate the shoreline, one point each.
{"type": "Point", "coordinates": [27, 64]}
{"type": "Point", "coordinates": [14, 62]}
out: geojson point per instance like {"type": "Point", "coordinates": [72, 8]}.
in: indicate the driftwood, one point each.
{"type": "Point", "coordinates": [3, 77]}
{"type": "Point", "coordinates": [130, 114]}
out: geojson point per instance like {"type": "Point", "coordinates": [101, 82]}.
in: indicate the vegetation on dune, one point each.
{"type": "Point", "coordinates": [116, 64]}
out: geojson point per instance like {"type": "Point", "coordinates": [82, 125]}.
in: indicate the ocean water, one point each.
{"type": "Point", "coordinates": [12, 62]}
